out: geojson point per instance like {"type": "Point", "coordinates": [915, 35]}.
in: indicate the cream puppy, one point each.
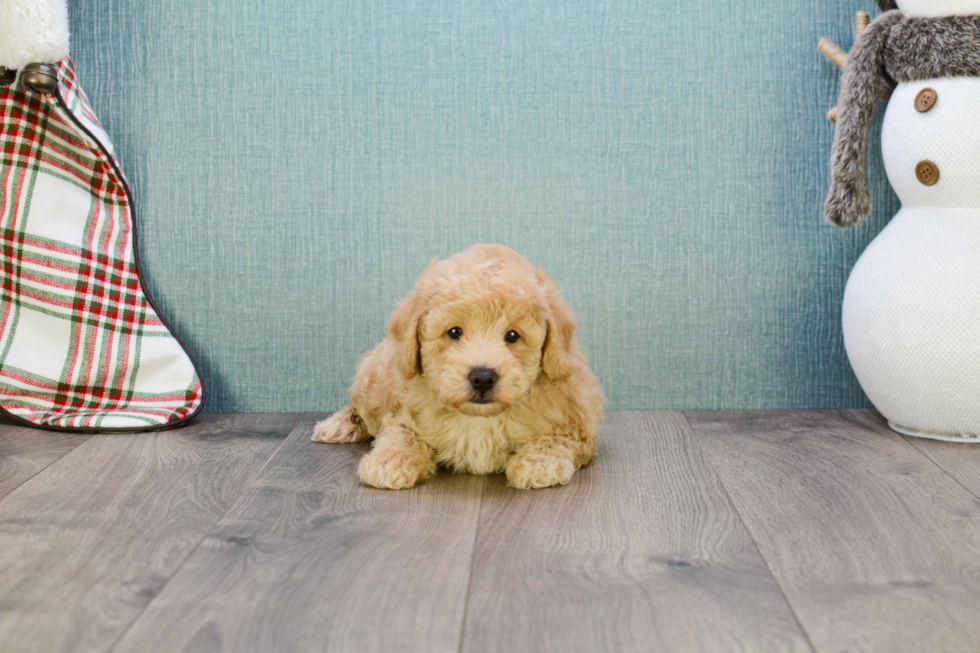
{"type": "Point", "coordinates": [479, 373]}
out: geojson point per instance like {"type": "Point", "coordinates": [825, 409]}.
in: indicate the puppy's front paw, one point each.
{"type": "Point", "coordinates": [526, 471]}
{"type": "Point", "coordinates": [394, 469]}
{"type": "Point", "coordinates": [342, 426]}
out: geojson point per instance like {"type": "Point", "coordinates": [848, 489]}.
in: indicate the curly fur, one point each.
{"type": "Point", "coordinates": [412, 394]}
{"type": "Point", "coordinates": [903, 49]}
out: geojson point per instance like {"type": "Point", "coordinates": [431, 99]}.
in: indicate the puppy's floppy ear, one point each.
{"type": "Point", "coordinates": [404, 324]}
{"type": "Point", "coordinates": [556, 355]}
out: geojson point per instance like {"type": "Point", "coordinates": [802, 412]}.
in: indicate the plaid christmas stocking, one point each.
{"type": "Point", "coordinates": [82, 346]}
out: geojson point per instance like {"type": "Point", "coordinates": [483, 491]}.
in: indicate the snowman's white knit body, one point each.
{"type": "Point", "coordinates": [911, 313]}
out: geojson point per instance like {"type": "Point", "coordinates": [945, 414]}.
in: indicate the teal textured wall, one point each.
{"type": "Point", "coordinates": [298, 162]}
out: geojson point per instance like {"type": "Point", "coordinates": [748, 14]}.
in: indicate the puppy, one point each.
{"type": "Point", "coordinates": [479, 373]}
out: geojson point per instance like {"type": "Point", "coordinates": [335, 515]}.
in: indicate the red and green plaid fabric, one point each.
{"type": "Point", "coordinates": [81, 345]}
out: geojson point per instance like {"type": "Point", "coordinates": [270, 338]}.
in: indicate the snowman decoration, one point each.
{"type": "Point", "coordinates": [911, 313]}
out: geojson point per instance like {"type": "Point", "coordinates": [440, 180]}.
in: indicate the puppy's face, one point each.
{"type": "Point", "coordinates": [481, 327]}
{"type": "Point", "coordinates": [482, 354]}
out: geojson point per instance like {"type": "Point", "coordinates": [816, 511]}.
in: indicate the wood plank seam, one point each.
{"type": "Point", "coordinates": [943, 469]}
{"type": "Point", "coordinates": [85, 438]}
{"type": "Point", "coordinates": [884, 430]}
{"type": "Point", "coordinates": [752, 537]}
{"type": "Point", "coordinates": [42, 469]}
{"type": "Point", "coordinates": [190, 553]}
{"type": "Point", "coordinates": [469, 574]}
{"type": "Point", "coordinates": [918, 445]}
{"type": "Point", "coordinates": [643, 551]}
{"type": "Point", "coordinates": [877, 546]}
{"type": "Point", "coordinates": [114, 522]}
{"type": "Point", "coordinates": [47, 469]}
{"type": "Point", "coordinates": [348, 568]}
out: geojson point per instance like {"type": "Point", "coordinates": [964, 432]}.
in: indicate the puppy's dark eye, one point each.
{"type": "Point", "coordinates": [512, 337]}
{"type": "Point", "coordinates": [455, 333]}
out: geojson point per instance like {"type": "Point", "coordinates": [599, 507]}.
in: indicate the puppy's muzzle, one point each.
{"type": "Point", "coordinates": [483, 380]}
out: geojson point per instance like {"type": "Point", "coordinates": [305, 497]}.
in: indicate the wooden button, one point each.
{"type": "Point", "coordinates": [927, 172]}
{"type": "Point", "coordinates": [925, 100]}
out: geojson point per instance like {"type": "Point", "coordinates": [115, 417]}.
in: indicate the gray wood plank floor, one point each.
{"type": "Point", "coordinates": [307, 560]}
{"type": "Point", "coordinates": [25, 452]}
{"type": "Point", "coordinates": [643, 551]}
{"type": "Point", "coordinates": [725, 531]}
{"type": "Point", "coordinates": [88, 542]}
{"type": "Point", "coordinates": [960, 462]}
{"type": "Point", "coordinates": [876, 547]}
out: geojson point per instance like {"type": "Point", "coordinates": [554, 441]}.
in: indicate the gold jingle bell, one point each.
{"type": "Point", "coordinates": [40, 77]}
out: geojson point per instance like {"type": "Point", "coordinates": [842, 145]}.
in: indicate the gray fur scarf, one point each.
{"type": "Point", "coordinates": [900, 49]}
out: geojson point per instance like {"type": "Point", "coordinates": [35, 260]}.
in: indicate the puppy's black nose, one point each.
{"type": "Point", "coordinates": [483, 379]}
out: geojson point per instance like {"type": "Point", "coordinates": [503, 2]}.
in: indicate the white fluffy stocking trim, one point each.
{"type": "Point", "coordinates": [32, 31]}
